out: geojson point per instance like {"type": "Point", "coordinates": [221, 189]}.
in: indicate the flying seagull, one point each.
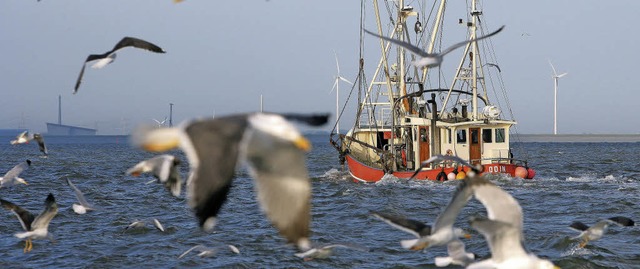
{"type": "Point", "coordinates": [164, 168]}
{"type": "Point", "coordinates": [109, 56]}
{"type": "Point", "coordinates": [84, 206]}
{"type": "Point", "coordinates": [271, 146]}
{"type": "Point", "coordinates": [12, 177]}
{"type": "Point", "coordinates": [431, 59]}
{"type": "Point", "coordinates": [324, 251]}
{"type": "Point", "coordinates": [142, 223]}
{"type": "Point", "coordinates": [25, 138]}
{"type": "Point", "coordinates": [35, 227]}
{"type": "Point", "coordinates": [206, 252]}
{"type": "Point", "coordinates": [596, 231]}
{"type": "Point", "coordinates": [502, 228]}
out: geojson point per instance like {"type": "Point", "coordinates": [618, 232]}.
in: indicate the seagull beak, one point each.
{"type": "Point", "coordinates": [420, 246]}
{"type": "Point", "coordinates": [135, 173]}
{"type": "Point", "coordinates": [467, 236]}
{"type": "Point", "coordinates": [302, 143]}
{"type": "Point", "coordinates": [25, 183]}
{"type": "Point", "coordinates": [161, 146]}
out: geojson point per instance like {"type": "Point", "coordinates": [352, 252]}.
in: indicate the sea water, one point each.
{"type": "Point", "coordinates": [574, 181]}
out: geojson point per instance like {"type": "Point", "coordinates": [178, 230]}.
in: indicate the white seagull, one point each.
{"type": "Point", "coordinates": [84, 206]}
{"type": "Point", "coordinates": [25, 138]}
{"type": "Point", "coordinates": [164, 168]}
{"type": "Point", "coordinates": [596, 231]}
{"type": "Point", "coordinates": [109, 56]}
{"type": "Point", "coordinates": [12, 177]}
{"type": "Point", "coordinates": [142, 223]}
{"type": "Point", "coordinates": [324, 251]}
{"type": "Point", "coordinates": [431, 59]}
{"type": "Point", "coordinates": [502, 228]}
{"type": "Point", "coordinates": [36, 227]}
{"type": "Point", "coordinates": [271, 146]}
{"type": "Point", "coordinates": [206, 252]}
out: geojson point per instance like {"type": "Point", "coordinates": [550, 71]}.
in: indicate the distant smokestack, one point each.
{"type": "Point", "coordinates": [170, 114]}
{"type": "Point", "coordinates": [59, 109]}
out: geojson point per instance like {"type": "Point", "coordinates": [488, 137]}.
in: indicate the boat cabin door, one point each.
{"type": "Point", "coordinates": [423, 141]}
{"type": "Point", "coordinates": [475, 153]}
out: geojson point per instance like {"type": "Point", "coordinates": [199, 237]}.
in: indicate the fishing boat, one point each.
{"type": "Point", "coordinates": [407, 114]}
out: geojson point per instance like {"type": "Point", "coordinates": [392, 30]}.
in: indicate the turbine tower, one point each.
{"type": "Point", "coordinates": [555, 97]}
{"type": "Point", "coordinates": [336, 86]}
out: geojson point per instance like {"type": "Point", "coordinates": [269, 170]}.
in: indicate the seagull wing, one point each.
{"type": "Point", "coordinates": [79, 80]}
{"type": "Point", "coordinates": [165, 168]}
{"type": "Point", "coordinates": [17, 170]}
{"type": "Point", "coordinates": [456, 250]}
{"type": "Point", "coordinates": [500, 205]}
{"type": "Point", "coordinates": [50, 211]}
{"type": "Point", "coordinates": [312, 120]}
{"type": "Point", "coordinates": [41, 145]}
{"type": "Point", "coordinates": [282, 183]}
{"type": "Point", "coordinates": [78, 194]}
{"type": "Point", "coordinates": [459, 199]}
{"type": "Point", "coordinates": [414, 227]}
{"type": "Point", "coordinates": [137, 43]}
{"type": "Point", "coordinates": [578, 226]}
{"type": "Point", "coordinates": [463, 43]}
{"type": "Point", "coordinates": [504, 239]}
{"type": "Point", "coordinates": [415, 50]}
{"type": "Point", "coordinates": [196, 248]}
{"type": "Point", "coordinates": [213, 151]}
{"type": "Point", "coordinates": [622, 221]}
{"type": "Point", "coordinates": [25, 217]}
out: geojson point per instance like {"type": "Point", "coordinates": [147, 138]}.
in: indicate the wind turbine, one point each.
{"type": "Point", "coordinates": [161, 123]}
{"type": "Point", "coordinates": [555, 97]}
{"type": "Point", "coordinates": [336, 86]}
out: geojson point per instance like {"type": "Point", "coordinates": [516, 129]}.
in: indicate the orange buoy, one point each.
{"type": "Point", "coordinates": [521, 172]}
{"type": "Point", "coordinates": [530, 173]}
{"type": "Point", "coordinates": [461, 175]}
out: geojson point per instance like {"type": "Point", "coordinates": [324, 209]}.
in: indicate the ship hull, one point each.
{"type": "Point", "coordinates": [364, 173]}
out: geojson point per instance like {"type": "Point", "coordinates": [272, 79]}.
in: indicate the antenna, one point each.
{"type": "Point", "coordinates": [555, 96]}
{"type": "Point", "coordinates": [336, 86]}
{"type": "Point", "coordinates": [60, 109]}
{"type": "Point", "coordinates": [261, 104]}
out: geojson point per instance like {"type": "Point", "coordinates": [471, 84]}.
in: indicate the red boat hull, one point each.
{"type": "Point", "coordinates": [364, 173]}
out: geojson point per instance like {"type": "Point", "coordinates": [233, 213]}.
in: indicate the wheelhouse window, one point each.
{"type": "Point", "coordinates": [500, 135]}
{"type": "Point", "coordinates": [461, 136]}
{"type": "Point", "coordinates": [449, 136]}
{"type": "Point", "coordinates": [487, 135]}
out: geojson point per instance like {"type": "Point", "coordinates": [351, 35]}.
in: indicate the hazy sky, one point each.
{"type": "Point", "coordinates": [222, 55]}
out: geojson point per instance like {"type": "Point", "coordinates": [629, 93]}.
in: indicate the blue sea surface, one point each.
{"type": "Point", "coordinates": [574, 181]}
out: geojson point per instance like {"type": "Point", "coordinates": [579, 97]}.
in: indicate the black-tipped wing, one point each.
{"type": "Point", "coordinates": [137, 43]}
{"type": "Point", "coordinates": [79, 80]}
{"type": "Point", "coordinates": [216, 146]}
{"type": "Point", "coordinates": [460, 44]}
{"type": "Point", "coordinates": [41, 145]}
{"type": "Point", "coordinates": [17, 170]}
{"type": "Point", "coordinates": [578, 226]}
{"type": "Point", "coordinates": [25, 217]}
{"type": "Point", "coordinates": [50, 211]}
{"type": "Point", "coordinates": [414, 227]}
{"type": "Point", "coordinates": [623, 221]}
{"type": "Point", "coordinates": [313, 120]}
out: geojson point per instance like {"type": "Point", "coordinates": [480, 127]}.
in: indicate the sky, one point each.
{"type": "Point", "coordinates": [223, 55]}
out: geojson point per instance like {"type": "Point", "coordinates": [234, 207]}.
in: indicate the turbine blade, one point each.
{"type": "Point", "coordinates": [335, 84]}
{"type": "Point", "coordinates": [345, 80]}
{"type": "Point", "coordinates": [554, 69]}
{"type": "Point", "coordinates": [562, 75]}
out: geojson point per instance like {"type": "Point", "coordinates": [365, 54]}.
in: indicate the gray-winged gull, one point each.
{"type": "Point", "coordinates": [502, 228]}
{"type": "Point", "coordinates": [271, 146]}
{"type": "Point", "coordinates": [431, 59]}
{"type": "Point", "coordinates": [205, 252]}
{"type": "Point", "coordinates": [163, 167]}
{"type": "Point", "coordinates": [596, 231]}
{"type": "Point", "coordinates": [12, 177]}
{"type": "Point", "coordinates": [84, 206]}
{"type": "Point", "coordinates": [35, 227]}
{"type": "Point", "coordinates": [25, 138]}
{"type": "Point", "coordinates": [326, 250]}
{"type": "Point", "coordinates": [457, 255]}
{"type": "Point", "coordinates": [143, 223]}
{"type": "Point", "coordinates": [109, 56]}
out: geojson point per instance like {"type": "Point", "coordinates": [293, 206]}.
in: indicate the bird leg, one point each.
{"type": "Point", "coordinates": [583, 243]}
{"type": "Point", "coordinates": [28, 245]}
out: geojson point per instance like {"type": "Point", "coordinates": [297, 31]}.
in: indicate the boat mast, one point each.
{"type": "Point", "coordinates": [474, 83]}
